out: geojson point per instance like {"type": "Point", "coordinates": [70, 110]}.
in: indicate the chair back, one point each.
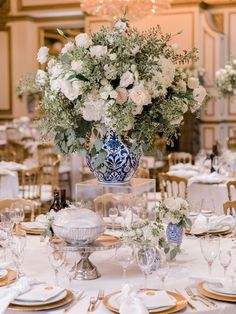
{"type": "Point", "coordinates": [102, 203]}
{"type": "Point", "coordinates": [19, 148]}
{"type": "Point", "coordinates": [181, 157]}
{"type": "Point", "coordinates": [7, 154]}
{"type": "Point", "coordinates": [28, 205]}
{"type": "Point", "coordinates": [13, 134]}
{"type": "Point", "coordinates": [44, 148]}
{"type": "Point", "coordinates": [159, 148]}
{"type": "Point", "coordinates": [229, 208]}
{"type": "Point", "coordinates": [143, 171]}
{"type": "Point", "coordinates": [231, 141]}
{"type": "Point", "coordinates": [50, 163]}
{"type": "Point", "coordinates": [230, 185]}
{"type": "Point", "coordinates": [173, 186]}
{"type": "Point", "coordinates": [31, 183]}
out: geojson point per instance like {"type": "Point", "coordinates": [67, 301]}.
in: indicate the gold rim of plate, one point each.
{"type": "Point", "coordinates": [180, 305]}
{"type": "Point", "coordinates": [188, 232]}
{"type": "Point", "coordinates": [11, 276]}
{"type": "Point", "coordinates": [69, 297]}
{"type": "Point", "coordinates": [215, 295]}
{"type": "Point", "coordinates": [31, 231]}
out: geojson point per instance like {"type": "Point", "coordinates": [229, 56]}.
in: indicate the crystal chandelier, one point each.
{"type": "Point", "coordinates": [135, 9]}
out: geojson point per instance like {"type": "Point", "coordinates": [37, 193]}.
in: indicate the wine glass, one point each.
{"type": "Point", "coordinates": [163, 271]}
{"type": "Point", "coordinates": [225, 257]}
{"type": "Point", "coordinates": [113, 214]}
{"type": "Point", "coordinates": [19, 213]}
{"type": "Point", "coordinates": [210, 249]}
{"type": "Point", "coordinates": [56, 256]}
{"type": "Point", "coordinates": [216, 163]}
{"type": "Point", "coordinates": [70, 266]}
{"type": "Point", "coordinates": [8, 216]}
{"type": "Point", "coordinates": [4, 238]}
{"type": "Point", "coordinates": [125, 256]}
{"type": "Point", "coordinates": [17, 246]}
{"type": "Point", "coordinates": [207, 210]}
{"type": "Point", "coordinates": [145, 256]}
{"type": "Point", "coordinates": [201, 158]}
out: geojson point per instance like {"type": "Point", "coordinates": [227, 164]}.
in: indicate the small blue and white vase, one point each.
{"type": "Point", "coordinates": [174, 233]}
{"type": "Point", "coordinates": [121, 163]}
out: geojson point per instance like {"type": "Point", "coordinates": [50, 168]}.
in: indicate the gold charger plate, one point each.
{"type": "Point", "coordinates": [69, 297]}
{"type": "Point", "coordinates": [32, 231]}
{"type": "Point", "coordinates": [11, 275]}
{"type": "Point", "coordinates": [215, 295]}
{"type": "Point", "coordinates": [226, 232]}
{"type": "Point", "coordinates": [180, 305]}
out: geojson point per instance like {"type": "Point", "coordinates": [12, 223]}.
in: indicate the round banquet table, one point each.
{"type": "Point", "coordinates": [9, 186]}
{"type": "Point", "coordinates": [190, 261]}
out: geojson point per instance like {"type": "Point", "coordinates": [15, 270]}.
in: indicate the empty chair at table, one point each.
{"type": "Point", "coordinates": [19, 149]}
{"type": "Point", "coordinates": [42, 149]}
{"type": "Point", "coordinates": [7, 154]}
{"type": "Point", "coordinates": [28, 206]}
{"type": "Point", "coordinates": [230, 208]}
{"type": "Point", "coordinates": [173, 186]}
{"type": "Point", "coordinates": [31, 183]}
{"type": "Point", "coordinates": [179, 157]}
{"type": "Point", "coordinates": [231, 141]}
{"type": "Point", "coordinates": [231, 187]}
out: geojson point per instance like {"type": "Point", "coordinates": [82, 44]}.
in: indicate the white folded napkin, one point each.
{"type": "Point", "coordinates": [119, 220]}
{"type": "Point", "coordinates": [183, 173]}
{"type": "Point", "coordinates": [181, 166]}
{"type": "Point", "coordinates": [209, 178]}
{"type": "Point", "coordinates": [215, 223]}
{"type": "Point", "coordinates": [8, 295]}
{"type": "Point", "coordinates": [6, 172]}
{"type": "Point", "coordinates": [34, 225]}
{"type": "Point", "coordinates": [40, 293]}
{"type": "Point", "coordinates": [222, 282]}
{"type": "Point", "coordinates": [4, 265]}
{"type": "Point", "coordinates": [42, 219]}
{"type": "Point", "coordinates": [130, 301]}
{"type": "Point", "coordinates": [11, 165]}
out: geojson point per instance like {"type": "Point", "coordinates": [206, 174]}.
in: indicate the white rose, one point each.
{"type": "Point", "coordinates": [77, 66]}
{"type": "Point", "coordinates": [183, 203]}
{"type": "Point", "coordinates": [113, 94]}
{"type": "Point", "coordinates": [68, 47]}
{"type": "Point", "coordinates": [121, 26]}
{"type": "Point", "coordinates": [110, 72]}
{"type": "Point", "coordinates": [104, 95]}
{"type": "Point", "coordinates": [71, 89]}
{"type": "Point", "coordinates": [41, 78]}
{"type": "Point", "coordinates": [94, 107]}
{"type": "Point", "coordinates": [82, 40]}
{"type": "Point", "coordinates": [199, 94]}
{"type": "Point", "coordinates": [122, 95]}
{"type": "Point", "coordinates": [193, 82]}
{"type": "Point", "coordinates": [172, 204]}
{"type": "Point", "coordinates": [112, 56]}
{"type": "Point", "coordinates": [108, 88]}
{"type": "Point", "coordinates": [126, 79]}
{"type": "Point", "coordinates": [176, 121]}
{"type": "Point", "coordinates": [182, 86]}
{"type": "Point", "coordinates": [98, 51]}
{"type": "Point", "coordinates": [104, 81]}
{"type": "Point", "coordinates": [55, 84]}
{"type": "Point", "coordinates": [42, 55]}
{"type": "Point", "coordinates": [140, 97]}
{"type": "Point", "coordinates": [55, 71]}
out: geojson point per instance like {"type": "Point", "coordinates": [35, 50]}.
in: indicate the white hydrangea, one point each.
{"type": "Point", "coordinates": [167, 74]}
{"type": "Point", "coordinates": [110, 72]}
{"type": "Point", "coordinates": [172, 204]}
{"type": "Point", "coordinates": [121, 26]}
{"type": "Point", "coordinates": [94, 107]}
{"type": "Point", "coordinates": [68, 47]}
{"type": "Point", "coordinates": [98, 51]}
{"type": "Point", "coordinates": [82, 40]}
{"type": "Point", "coordinates": [112, 56]}
{"type": "Point", "coordinates": [42, 55]}
{"type": "Point", "coordinates": [199, 94]}
{"type": "Point", "coordinates": [77, 66]}
{"type": "Point", "coordinates": [41, 78]}
{"type": "Point", "coordinates": [126, 79]}
{"type": "Point", "coordinates": [140, 97]}
{"type": "Point", "coordinates": [71, 89]}
{"type": "Point", "coordinates": [193, 82]}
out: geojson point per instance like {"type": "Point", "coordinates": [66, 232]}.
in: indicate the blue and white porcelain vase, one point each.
{"type": "Point", "coordinates": [174, 233]}
{"type": "Point", "coordinates": [121, 163]}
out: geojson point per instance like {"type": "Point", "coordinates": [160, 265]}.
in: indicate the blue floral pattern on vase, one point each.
{"type": "Point", "coordinates": [174, 233]}
{"type": "Point", "coordinates": [121, 163]}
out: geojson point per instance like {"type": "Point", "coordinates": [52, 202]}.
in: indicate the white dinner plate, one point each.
{"type": "Point", "coordinates": [57, 298]}
{"type": "Point", "coordinates": [221, 229]}
{"type": "Point", "coordinates": [114, 301]}
{"type": "Point", "coordinates": [216, 288]}
{"type": "Point", "coordinates": [3, 273]}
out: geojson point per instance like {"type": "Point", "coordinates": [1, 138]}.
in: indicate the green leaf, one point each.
{"type": "Point", "coordinates": [82, 152]}
{"type": "Point", "coordinates": [65, 58]}
{"type": "Point", "coordinates": [81, 77]}
{"type": "Point", "coordinates": [60, 32]}
{"type": "Point", "coordinates": [81, 140]}
{"type": "Point", "coordinates": [72, 76]}
{"type": "Point", "coordinates": [98, 144]}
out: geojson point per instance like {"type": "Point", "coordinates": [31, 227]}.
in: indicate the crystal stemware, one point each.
{"type": "Point", "coordinates": [225, 257]}
{"type": "Point", "coordinates": [56, 256]}
{"type": "Point", "coordinates": [210, 249]}
{"type": "Point", "coordinates": [113, 214]}
{"type": "Point", "coordinates": [163, 271]}
{"type": "Point", "coordinates": [4, 238]}
{"type": "Point", "coordinates": [145, 256]}
{"type": "Point", "coordinates": [125, 256]}
{"type": "Point", "coordinates": [70, 266]}
{"type": "Point", "coordinates": [216, 163]}
{"type": "Point", "coordinates": [207, 210]}
{"type": "Point", "coordinates": [17, 246]}
{"type": "Point", "coordinates": [19, 213]}
{"type": "Point", "coordinates": [8, 216]}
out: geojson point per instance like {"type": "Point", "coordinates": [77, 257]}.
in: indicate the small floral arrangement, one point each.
{"type": "Point", "coordinates": [120, 80]}
{"type": "Point", "coordinates": [226, 79]}
{"type": "Point", "coordinates": [228, 157]}
{"type": "Point", "coordinates": [175, 211]}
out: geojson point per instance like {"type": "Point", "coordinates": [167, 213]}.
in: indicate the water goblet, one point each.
{"type": "Point", "coordinates": [207, 210]}
{"type": "Point", "coordinates": [225, 257]}
{"type": "Point", "coordinates": [17, 246]}
{"type": "Point", "coordinates": [216, 163]}
{"type": "Point", "coordinates": [125, 256]}
{"type": "Point", "coordinates": [145, 256]}
{"type": "Point", "coordinates": [113, 214]}
{"type": "Point", "coordinates": [70, 266]}
{"type": "Point", "coordinates": [8, 216]}
{"type": "Point", "coordinates": [56, 256]}
{"type": "Point", "coordinates": [163, 271]}
{"type": "Point", "coordinates": [19, 214]}
{"type": "Point", "coordinates": [210, 249]}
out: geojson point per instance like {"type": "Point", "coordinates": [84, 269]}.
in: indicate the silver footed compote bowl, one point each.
{"type": "Point", "coordinates": [82, 230]}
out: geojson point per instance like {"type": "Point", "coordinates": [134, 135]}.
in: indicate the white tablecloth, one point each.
{"type": "Point", "coordinates": [190, 261]}
{"type": "Point", "coordinates": [9, 186]}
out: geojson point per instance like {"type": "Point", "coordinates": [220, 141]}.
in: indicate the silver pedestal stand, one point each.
{"type": "Point", "coordinates": [85, 269]}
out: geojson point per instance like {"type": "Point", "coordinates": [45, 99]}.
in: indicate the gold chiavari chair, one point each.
{"type": "Point", "coordinates": [102, 203]}
{"type": "Point", "coordinates": [231, 141]}
{"type": "Point", "coordinates": [143, 171]}
{"type": "Point", "coordinates": [230, 185]}
{"type": "Point", "coordinates": [50, 163]}
{"type": "Point", "coordinates": [173, 186]}
{"type": "Point", "coordinates": [42, 149]}
{"type": "Point", "coordinates": [179, 157]}
{"type": "Point", "coordinates": [31, 183]}
{"type": "Point", "coordinates": [7, 154]}
{"type": "Point", "coordinates": [229, 208]}
{"type": "Point", "coordinates": [29, 206]}
{"type": "Point", "coordinates": [13, 134]}
{"type": "Point", "coordinates": [19, 148]}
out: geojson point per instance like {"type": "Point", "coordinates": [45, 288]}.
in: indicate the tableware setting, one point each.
{"type": "Point", "coordinates": [33, 227]}
{"type": "Point", "coordinates": [208, 178]}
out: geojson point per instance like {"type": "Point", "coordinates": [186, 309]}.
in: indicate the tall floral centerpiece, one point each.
{"type": "Point", "coordinates": [108, 95]}
{"type": "Point", "coordinates": [174, 212]}
{"type": "Point", "coordinates": [226, 79]}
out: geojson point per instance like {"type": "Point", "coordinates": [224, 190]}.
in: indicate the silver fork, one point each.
{"type": "Point", "coordinates": [79, 296]}
{"type": "Point", "coordinates": [100, 296]}
{"type": "Point", "coordinates": [200, 298]}
{"type": "Point", "coordinates": [92, 303]}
